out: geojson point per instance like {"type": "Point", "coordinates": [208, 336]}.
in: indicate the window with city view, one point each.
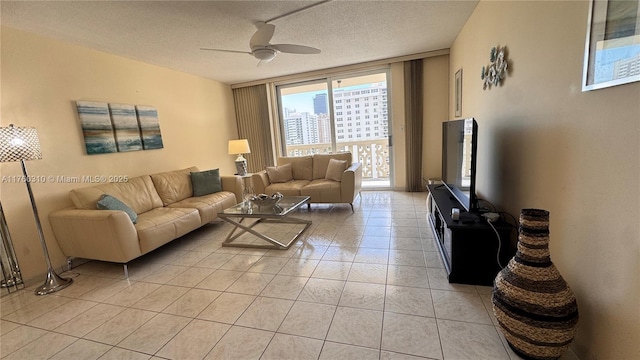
{"type": "Point", "coordinates": [333, 115]}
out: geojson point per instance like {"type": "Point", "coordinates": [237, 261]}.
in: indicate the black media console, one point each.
{"type": "Point", "coordinates": [468, 246]}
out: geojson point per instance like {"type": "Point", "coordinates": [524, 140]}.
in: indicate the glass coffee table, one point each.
{"type": "Point", "coordinates": [277, 214]}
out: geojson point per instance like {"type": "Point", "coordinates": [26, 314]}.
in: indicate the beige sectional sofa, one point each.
{"type": "Point", "coordinates": [317, 176]}
{"type": "Point", "coordinates": [165, 206]}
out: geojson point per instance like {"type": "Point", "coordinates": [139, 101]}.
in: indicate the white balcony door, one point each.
{"type": "Point", "coordinates": [340, 113]}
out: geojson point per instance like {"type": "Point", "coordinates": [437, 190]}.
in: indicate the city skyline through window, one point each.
{"type": "Point", "coordinates": [356, 121]}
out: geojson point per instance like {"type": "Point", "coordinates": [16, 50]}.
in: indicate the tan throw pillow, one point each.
{"type": "Point", "coordinates": [335, 169]}
{"type": "Point", "coordinates": [280, 174]}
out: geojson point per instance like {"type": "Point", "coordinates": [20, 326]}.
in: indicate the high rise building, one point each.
{"type": "Point", "coordinates": [301, 128]}
{"type": "Point", "coordinates": [324, 129]}
{"type": "Point", "coordinates": [320, 104]}
{"type": "Point", "coordinates": [361, 114]}
{"type": "Point", "coordinates": [627, 67]}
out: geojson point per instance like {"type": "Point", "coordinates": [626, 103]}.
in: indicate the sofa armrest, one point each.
{"type": "Point", "coordinates": [351, 182]}
{"type": "Point", "coordinates": [233, 184]}
{"type": "Point", "coordinates": [260, 182]}
{"type": "Point", "coordinates": [107, 235]}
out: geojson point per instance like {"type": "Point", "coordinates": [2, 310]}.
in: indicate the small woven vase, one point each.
{"type": "Point", "coordinates": [536, 310]}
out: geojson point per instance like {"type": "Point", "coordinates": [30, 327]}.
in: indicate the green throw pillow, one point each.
{"type": "Point", "coordinates": [108, 202]}
{"type": "Point", "coordinates": [206, 182]}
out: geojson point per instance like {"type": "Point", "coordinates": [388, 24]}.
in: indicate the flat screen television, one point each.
{"type": "Point", "coordinates": [459, 148]}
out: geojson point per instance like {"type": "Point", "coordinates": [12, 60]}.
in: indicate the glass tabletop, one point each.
{"type": "Point", "coordinates": [247, 209]}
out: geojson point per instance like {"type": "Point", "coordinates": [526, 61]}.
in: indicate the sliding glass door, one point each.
{"type": "Point", "coordinates": [361, 120]}
{"type": "Point", "coordinates": [345, 113]}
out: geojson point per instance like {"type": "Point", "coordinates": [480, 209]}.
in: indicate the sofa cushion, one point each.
{"type": "Point", "coordinates": [301, 166]}
{"type": "Point", "coordinates": [206, 182]}
{"type": "Point", "coordinates": [335, 169]}
{"type": "Point", "coordinates": [321, 162]}
{"type": "Point", "coordinates": [208, 206]}
{"type": "Point", "coordinates": [323, 191]}
{"type": "Point", "coordinates": [108, 202]}
{"type": "Point", "coordinates": [138, 193]}
{"type": "Point", "coordinates": [174, 186]}
{"type": "Point", "coordinates": [161, 225]}
{"type": "Point", "coordinates": [291, 188]}
{"type": "Point", "coordinates": [280, 174]}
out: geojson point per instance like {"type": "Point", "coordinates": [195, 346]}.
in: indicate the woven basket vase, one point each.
{"type": "Point", "coordinates": [536, 310]}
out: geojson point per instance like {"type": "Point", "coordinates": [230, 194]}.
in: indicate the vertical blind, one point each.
{"type": "Point", "coordinates": [413, 119]}
{"type": "Point", "coordinates": [252, 114]}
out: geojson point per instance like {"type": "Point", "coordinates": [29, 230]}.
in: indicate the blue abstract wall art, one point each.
{"type": "Point", "coordinates": [109, 128]}
{"type": "Point", "coordinates": [149, 127]}
{"type": "Point", "coordinates": [97, 128]}
{"type": "Point", "coordinates": [125, 124]}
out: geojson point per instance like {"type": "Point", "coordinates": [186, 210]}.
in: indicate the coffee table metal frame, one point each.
{"type": "Point", "coordinates": [273, 214]}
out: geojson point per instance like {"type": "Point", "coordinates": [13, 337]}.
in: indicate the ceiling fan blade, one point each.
{"type": "Point", "coordinates": [295, 49]}
{"type": "Point", "coordinates": [263, 35]}
{"type": "Point", "coordinates": [229, 51]}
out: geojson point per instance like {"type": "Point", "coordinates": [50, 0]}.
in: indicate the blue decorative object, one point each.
{"type": "Point", "coordinates": [108, 202]}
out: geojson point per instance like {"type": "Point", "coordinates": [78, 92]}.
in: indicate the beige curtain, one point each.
{"type": "Point", "coordinates": [413, 127]}
{"type": "Point", "coordinates": [252, 114]}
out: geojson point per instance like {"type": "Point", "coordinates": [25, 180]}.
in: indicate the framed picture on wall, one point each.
{"type": "Point", "coordinates": [97, 128]}
{"type": "Point", "coordinates": [612, 49]}
{"type": "Point", "coordinates": [458, 95]}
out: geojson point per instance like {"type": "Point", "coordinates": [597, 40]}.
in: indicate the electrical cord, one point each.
{"type": "Point", "coordinates": [491, 217]}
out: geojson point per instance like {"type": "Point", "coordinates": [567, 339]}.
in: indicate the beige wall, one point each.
{"type": "Point", "coordinates": [42, 79]}
{"type": "Point", "coordinates": [544, 143]}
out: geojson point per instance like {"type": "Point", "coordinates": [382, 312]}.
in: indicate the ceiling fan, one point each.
{"type": "Point", "coordinates": [262, 50]}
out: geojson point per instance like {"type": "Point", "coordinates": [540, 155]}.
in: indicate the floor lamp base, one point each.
{"type": "Point", "coordinates": [53, 283]}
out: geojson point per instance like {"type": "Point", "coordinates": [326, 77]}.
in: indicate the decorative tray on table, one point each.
{"type": "Point", "coordinates": [264, 200]}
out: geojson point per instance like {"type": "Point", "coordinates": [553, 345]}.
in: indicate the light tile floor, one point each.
{"type": "Point", "coordinates": [363, 285]}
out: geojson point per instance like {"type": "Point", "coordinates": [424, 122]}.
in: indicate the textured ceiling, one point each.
{"type": "Point", "coordinates": [171, 33]}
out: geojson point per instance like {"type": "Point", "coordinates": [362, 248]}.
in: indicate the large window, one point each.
{"type": "Point", "coordinates": [304, 118]}
{"type": "Point", "coordinates": [328, 115]}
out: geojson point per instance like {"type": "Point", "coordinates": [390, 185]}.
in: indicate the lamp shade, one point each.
{"type": "Point", "coordinates": [240, 146]}
{"type": "Point", "coordinates": [19, 143]}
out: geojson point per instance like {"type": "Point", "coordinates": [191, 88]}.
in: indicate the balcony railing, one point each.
{"type": "Point", "coordinates": [373, 154]}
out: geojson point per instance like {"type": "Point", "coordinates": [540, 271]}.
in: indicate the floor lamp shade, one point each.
{"type": "Point", "coordinates": [19, 143]}
{"type": "Point", "coordinates": [22, 144]}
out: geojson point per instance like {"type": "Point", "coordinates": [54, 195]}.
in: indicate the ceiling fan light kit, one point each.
{"type": "Point", "coordinates": [264, 54]}
{"type": "Point", "coordinates": [262, 50]}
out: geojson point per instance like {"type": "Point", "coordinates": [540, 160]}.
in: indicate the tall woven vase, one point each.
{"type": "Point", "coordinates": [536, 310]}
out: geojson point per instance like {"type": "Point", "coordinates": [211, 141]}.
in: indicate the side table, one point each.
{"type": "Point", "coordinates": [247, 189]}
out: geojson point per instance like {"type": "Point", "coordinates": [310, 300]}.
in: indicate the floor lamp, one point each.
{"type": "Point", "coordinates": [22, 144]}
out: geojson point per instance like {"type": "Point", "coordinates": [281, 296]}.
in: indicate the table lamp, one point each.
{"type": "Point", "coordinates": [21, 144]}
{"type": "Point", "coordinates": [239, 147]}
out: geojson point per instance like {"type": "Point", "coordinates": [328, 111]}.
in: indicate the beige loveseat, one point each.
{"type": "Point", "coordinates": [165, 206]}
{"type": "Point", "coordinates": [308, 176]}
